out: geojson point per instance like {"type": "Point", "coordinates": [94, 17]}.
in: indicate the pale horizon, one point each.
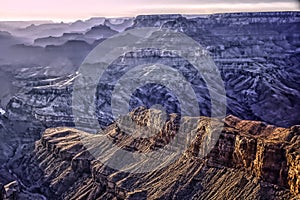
{"type": "Point", "coordinates": [68, 11]}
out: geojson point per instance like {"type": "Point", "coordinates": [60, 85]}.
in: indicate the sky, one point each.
{"type": "Point", "coordinates": [70, 10]}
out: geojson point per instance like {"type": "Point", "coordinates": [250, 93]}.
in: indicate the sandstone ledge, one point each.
{"type": "Point", "coordinates": [250, 160]}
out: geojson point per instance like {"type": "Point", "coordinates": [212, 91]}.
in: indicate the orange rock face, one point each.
{"type": "Point", "coordinates": [249, 160]}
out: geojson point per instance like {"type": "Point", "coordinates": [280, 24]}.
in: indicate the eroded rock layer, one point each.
{"type": "Point", "coordinates": [250, 160]}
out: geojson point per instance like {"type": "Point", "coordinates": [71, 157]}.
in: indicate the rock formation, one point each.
{"type": "Point", "coordinates": [257, 55]}
{"type": "Point", "coordinates": [251, 160]}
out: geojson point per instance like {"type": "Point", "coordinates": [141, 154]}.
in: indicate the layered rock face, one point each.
{"type": "Point", "coordinates": [251, 160]}
{"type": "Point", "coordinates": [256, 54]}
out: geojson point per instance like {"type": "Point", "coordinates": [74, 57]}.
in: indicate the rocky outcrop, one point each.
{"type": "Point", "coordinates": [293, 160]}
{"type": "Point", "coordinates": [264, 150]}
{"type": "Point", "coordinates": [250, 160]}
{"type": "Point", "coordinates": [101, 31]}
{"type": "Point", "coordinates": [11, 191]}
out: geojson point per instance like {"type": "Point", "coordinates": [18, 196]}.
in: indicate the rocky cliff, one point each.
{"type": "Point", "coordinates": [251, 160]}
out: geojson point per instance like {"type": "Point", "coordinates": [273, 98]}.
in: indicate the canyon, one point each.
{"type": "Point", "coordinates": [256, 155]}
